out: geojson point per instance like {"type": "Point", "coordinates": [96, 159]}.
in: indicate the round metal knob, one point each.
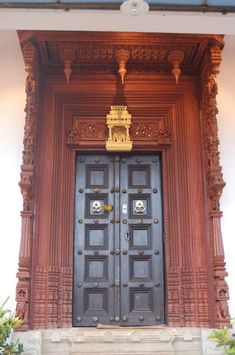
{"type": "Point", "coordinates": [80, 220]}
{"type": "Point", "coordinates": [79, 284]}
{"type": "Point", "coordinates": [117, 189]}
{"type": "Point", "coordinates": [82, 160]}
{"type": "Point", "coordinates": [155, 191]}
{"type": "Point", "coordinates": [124, 191]}
{"type": "Point", "coordinates": [125, 318]}
{"type": "Point", "coordinates": [79, 252]}
{"type": "Point", "coordinates": [156, 252]}
{"type": "Point", "coordinates": [117, 252]}
{"type": "Point", "coordinates": [157, 284]}
{"type": "Point", "coordinates": [112, 252]}
{"type": "Point", "coordinates": [139, 191]}
{"type": "Point", "coordinates": [158, 318]}
{"type": "Point", "coordinates": [124, 221]}
{"type": "Point", "coordinates": [96, 252]}
{"type": "Point", "coordinates": [117, 283]}
{"type": "Point", "coordinates": [95, 319]}
{"type": "Point", "coordinates": [95, 284]}
{"type": "Point", "coordinates": [79, 319]}
{"type": "Point", "coordinates": [125, 284]}
{"type": "Point", "coordinates": [141, 318]}
{"type": "Point", "coordinates": [81, 191]}
{"type": "Point", "coordinates": [141, 252]}
{"type": "Point", "coordinates": [125, 252]}
{"type": "Point", "coordinates": [117, 221]}
{"type": "Point", "coordinates": [117, 319]}
{"type": "Point", "coordinates": [112, 190]}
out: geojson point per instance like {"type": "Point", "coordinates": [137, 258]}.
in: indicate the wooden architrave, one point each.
{"type": "Point", "coordinates": [27, 181]}
{"type": "Point", "coordinates": [214, 178]}
{"type": "Point", "coordinates": [165, 119]}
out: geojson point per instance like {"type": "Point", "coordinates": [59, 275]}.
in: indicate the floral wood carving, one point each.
{"type": "Point", "coordinates": [215, 182]}
{"type": "Point", "coordinates": [27, 183]}
{"type": "Point", "coordinates": [140, 130]}
{"type": "Point", "coordinates": [188, 305]}
{"type": "Point", "coordinates": [148, 130]}
{"type": "Point", "coordinates": [96, 131]}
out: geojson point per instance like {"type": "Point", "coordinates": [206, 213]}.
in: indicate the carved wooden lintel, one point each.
{"type": "Point", "coordinates": [27, 183]}
{"type": "Point", "coordinates": [139, 131]}
{"type": "Point", "coordinates": [215, 182]}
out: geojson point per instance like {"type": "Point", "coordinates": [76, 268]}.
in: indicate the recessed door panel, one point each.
{"type": "Point", "coordinates": [118, 247]}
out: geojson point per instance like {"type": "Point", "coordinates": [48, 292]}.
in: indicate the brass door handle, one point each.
{"type": "Point", "coordinates": [107, 207]}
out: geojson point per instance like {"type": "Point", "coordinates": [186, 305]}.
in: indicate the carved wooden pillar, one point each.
{"type": "Point", "coordinates": [215, 182]}
{"type": "Point", "coordinates": [27, 184]}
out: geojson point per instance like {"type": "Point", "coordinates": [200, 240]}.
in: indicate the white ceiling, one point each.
{"type": "Point", "coordinates": [84, 20]}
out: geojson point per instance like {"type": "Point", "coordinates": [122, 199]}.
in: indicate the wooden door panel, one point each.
{"type": "Point", "coordinates": [118, 258]}
{"type": "Point", "coordinates": [141, 239]}
{"type": "Point", "coordinates": [94, 238]}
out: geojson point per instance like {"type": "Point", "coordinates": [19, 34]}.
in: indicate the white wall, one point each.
{"type": "Point", "coordinates": [226, 121]}
{"type": "Point", "coordinates": [12, 101]}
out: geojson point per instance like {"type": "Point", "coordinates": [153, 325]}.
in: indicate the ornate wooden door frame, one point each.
{"type": "Point", "coordinates": [184, 129]}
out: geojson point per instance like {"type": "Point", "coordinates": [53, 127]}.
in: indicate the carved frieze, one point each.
{"type": "Point", "coordinates": [96, 54]}
{"type": "Point", "coordinates": [86, 131]}
{"type": "Point", "coordinates": [149, 129]}
{"type": "Point", "coordinates": [139, 131]}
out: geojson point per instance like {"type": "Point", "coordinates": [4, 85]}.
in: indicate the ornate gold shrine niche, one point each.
{"type": "Point", "coordinates": [119, 123]}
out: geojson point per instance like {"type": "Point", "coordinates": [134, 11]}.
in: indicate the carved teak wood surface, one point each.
{"type": "Point", "coordinates": [179, 121]}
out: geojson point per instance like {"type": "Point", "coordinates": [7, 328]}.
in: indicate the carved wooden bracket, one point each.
{"type": "Point", "coordinates": [122, 56]}
{"type": "Point", "coordinates": [175, 58]}
{"type": "Point", "coordinates": [67, 56]}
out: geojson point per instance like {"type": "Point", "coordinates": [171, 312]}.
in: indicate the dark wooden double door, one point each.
{"type": "Point", "coordinates": [118, 250]}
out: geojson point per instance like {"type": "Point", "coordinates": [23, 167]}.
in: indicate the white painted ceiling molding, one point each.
{"type": "Point", "coordinates": [94, 20]}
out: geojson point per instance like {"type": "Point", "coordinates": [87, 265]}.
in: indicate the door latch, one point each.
{"type": "Point", "coordinates": [108, 207]}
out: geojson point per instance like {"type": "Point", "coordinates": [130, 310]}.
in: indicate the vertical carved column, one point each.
{"type": "Point", "coordinates": [27, 183]}
{"type": "Point", "coordinates": [215, 182]}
